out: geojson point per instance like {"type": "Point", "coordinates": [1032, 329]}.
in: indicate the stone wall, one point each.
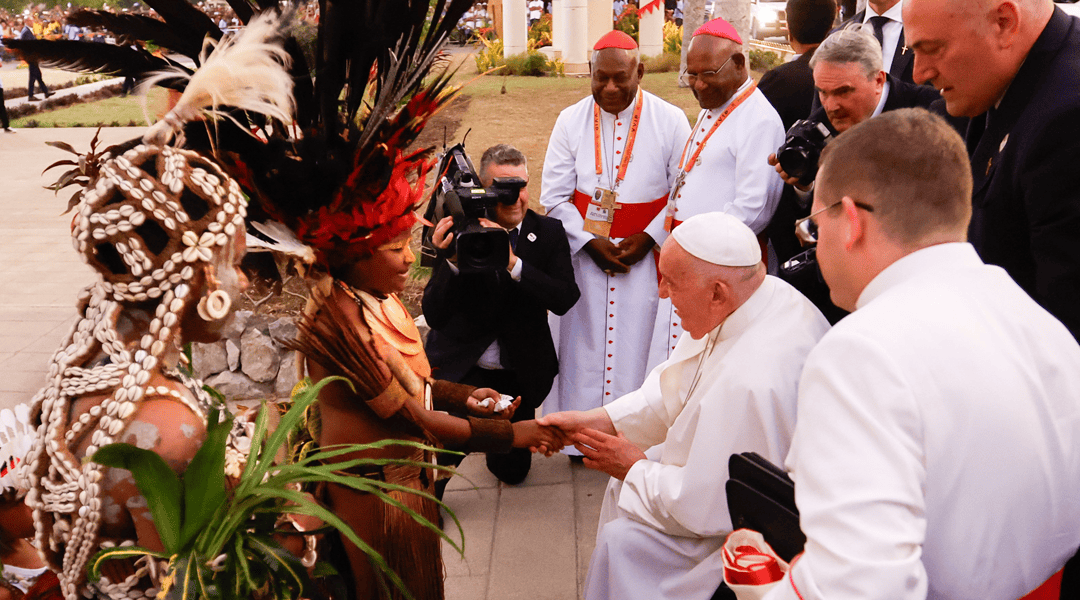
{"type": "Point", "coordinates": [249, 362]}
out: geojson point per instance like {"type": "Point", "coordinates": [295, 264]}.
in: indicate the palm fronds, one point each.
{"type": "Point", "coordinates": [218, 542]}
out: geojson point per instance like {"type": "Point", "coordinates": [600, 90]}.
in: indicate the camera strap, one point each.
{"type": "Point", "coordinates": [628, 148]}
{"type": "Point", "coordinates": [685, 166]}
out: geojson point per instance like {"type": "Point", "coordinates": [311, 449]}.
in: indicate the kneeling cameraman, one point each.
{"type": "Point", "coordinates": [490, 326]}
{"type": "Point", "coordinates": [852, 87]}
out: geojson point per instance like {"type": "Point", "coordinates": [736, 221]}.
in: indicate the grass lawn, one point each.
{"type": "Point", "coordinates": [109, 111]}
{"type": "Point", "coordinates": [525, 114]}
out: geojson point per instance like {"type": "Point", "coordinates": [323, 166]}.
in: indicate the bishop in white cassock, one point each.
{"type": "Point", "coordinates": [610, 162]}
{"type": "Point", "coordinates": [723, 164]}
{"type": "Point", "coordinates": [937, 450]}
{"type": "Point", "coordinates": [729, 387]}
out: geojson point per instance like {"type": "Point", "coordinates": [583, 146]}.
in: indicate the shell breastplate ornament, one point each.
{"type": "Point", "coordinates": [135, 225]}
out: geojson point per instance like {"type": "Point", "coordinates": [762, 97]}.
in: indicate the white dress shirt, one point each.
{"type": "Point", "coordinates": [937, 452]}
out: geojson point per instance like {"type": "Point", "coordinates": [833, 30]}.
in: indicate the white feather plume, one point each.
{"type": "Point", "coordinates": [16, 438]}
{"type": "Point", "coordinates": [248, 71]}
{"type": "Point", "coordinates": [284, 242]}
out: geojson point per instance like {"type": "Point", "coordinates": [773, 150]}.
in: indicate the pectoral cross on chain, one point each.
{"type": "Point", "coordinates": [679, 181]}
{"type": "Point", "coordinates": [608, 203]}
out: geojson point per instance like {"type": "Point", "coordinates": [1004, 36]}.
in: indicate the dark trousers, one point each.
{"type": "Point", "coordinates": [35, 75]}
{"type": "Point", "coordinates": [511, 467]}
{"type": "Point", "coordinates": [3, 112]}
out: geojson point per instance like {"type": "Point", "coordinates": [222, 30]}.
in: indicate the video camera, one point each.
{"type": "Point", "coordinates": [458, 194]}
{"type": "Point", "coordinates": [800, 153]}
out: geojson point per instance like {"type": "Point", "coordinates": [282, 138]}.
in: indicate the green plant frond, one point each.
{"type": "Point", "coordinates": [207, 589]}
{"type": "Point", "coordinates": [371, 487]}
{"type": "Point", "coordinates": [204, 480]}
{"type": "Point", "coordinates": [93, 568]}
{"type": "Point", "coordinates": [256, 450]}
{"type": "Point", "coordinates": [285, 473]}
{"type": "Point", "coordinates": [180, 582]}
{"type": "Point", "coordinates": [280, 562]}
{"type": "Point", "coordinates": [262, 458]}
{"type": "Point", "coordinates": [242, 564]}
{"type": "Point", "coordinates": [303, 505]}
{"type": "Point", "coordinates": [157, 482]}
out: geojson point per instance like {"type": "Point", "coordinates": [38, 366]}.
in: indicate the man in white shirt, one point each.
{"type": "Point", "coordinates": [729, 387]}
{"type": "Point", "coordinates": [886, 18]}
{"type": "Point", "coordinates": [937, 453]}
{"type": "Point", "coordinates": [612, 210]}
{"type": "Point", "coordinates": [722, 164]}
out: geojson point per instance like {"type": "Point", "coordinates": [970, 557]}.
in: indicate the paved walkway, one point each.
{"type": "Point", "coordinates": [529, 541]}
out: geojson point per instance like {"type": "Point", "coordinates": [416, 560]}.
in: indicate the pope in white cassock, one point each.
{"type": "Point", "coordinates": [729, 387]}
{"type": "Point", "coordinates": [723, 163]}
{"type": "Point", "coordinates": [610, 162]}
{"type": "Point", "coordinates": [937, 450]}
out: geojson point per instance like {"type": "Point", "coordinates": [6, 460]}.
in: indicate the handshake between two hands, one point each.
{"type": "Point", "coordinates": [591, 432]}
{"type": "Point", "coordinates": [607, 451]}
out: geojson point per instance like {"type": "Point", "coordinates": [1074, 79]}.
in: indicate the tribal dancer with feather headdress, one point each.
{"type": "Point", "coordinates": [344, 184]}
{"type": "Point", "coordinates": [164, 229]}
{"type": "Point", "coordinates": [348, 190]}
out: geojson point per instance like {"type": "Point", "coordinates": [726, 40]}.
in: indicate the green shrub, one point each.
{"type": "Point", "coordinates": [540, 32]}
{"type": "Point", "coordinates": [628, 21]}
{"type": "Point", "coordinates": [763, 60]}
{"type": "Point", "coordinates": [491, 56]}
{"type": "Point", "coordinates": [529, 64]}
{"type": "Point", "coordinates": [664, 63]}
{"type": "Point", "coordinates": [672, 38]}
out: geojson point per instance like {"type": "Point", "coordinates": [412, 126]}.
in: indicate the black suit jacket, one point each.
{"type": "Point", "coordinates": [468, 311]}
{"type": "Point", "coordinates": [1026, 199]}
{"type": "Point", "coordinates": [790, 89]}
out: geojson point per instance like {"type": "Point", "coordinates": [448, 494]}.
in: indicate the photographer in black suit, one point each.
{"type": "Point", "coordinates": [490, 328]}
{"type": "Point", "coordinates": [852, 87]}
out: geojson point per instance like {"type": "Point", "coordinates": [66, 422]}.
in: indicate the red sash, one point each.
{"type": "Point", "coordinates": [1049, 590]}
{"type": "Point", "coordinates": [629, 218]}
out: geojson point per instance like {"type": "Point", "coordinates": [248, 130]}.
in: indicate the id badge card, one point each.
{"type": "Point", "coordinates": [600, 213]}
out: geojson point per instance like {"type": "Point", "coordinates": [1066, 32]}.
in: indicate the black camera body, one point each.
{"type": "Point", "coordinates": [801, 151]}
{"type": "Point", "coordinates": [458, 194]}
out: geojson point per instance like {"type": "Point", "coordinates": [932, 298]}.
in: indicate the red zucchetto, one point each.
{"type": "Point", "coordinates": [615, 39]}
{"type": "Point", "coordinates": [719, 28]}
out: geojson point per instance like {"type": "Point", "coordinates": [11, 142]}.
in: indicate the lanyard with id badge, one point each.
{"type": "Point", "coordinates": [601, 210]}
{"type": "Point", "coordinates": [685, 166]}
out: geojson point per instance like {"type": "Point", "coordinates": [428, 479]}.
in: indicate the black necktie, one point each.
{"type": "Point", "coordinates": [879, 28]}
{"type": "Point", "coordinates": [513, 238]}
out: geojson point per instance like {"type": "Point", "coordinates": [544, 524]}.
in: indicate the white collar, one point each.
{"type": "Point", "coordinates": [931, 258]}
{"type": "Point", "coordinates": [896, 13]}
{"type": "Point", "coordinates": [881, 101]}
{"type": "Point", "coordinates": [627, 112]}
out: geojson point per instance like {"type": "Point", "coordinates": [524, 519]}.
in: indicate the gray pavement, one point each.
{"type": "Point", "coordinates": [528, 541]}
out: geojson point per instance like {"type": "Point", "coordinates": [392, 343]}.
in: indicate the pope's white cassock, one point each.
{"type": "Point", "coordinates": [937, 453]}
{"type": "Point", "coordinates": [661, 527]}
{"type": "Point", "coordinates": [604, 338]}
{"type": "Point", "coordinates": [734, 177]}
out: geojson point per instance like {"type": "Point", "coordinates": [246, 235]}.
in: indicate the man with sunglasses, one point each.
{"type": "Point", "coordinates": [490, 329]}
{"type": "Point", "coordinates": [936, 453]}
{"type": "Point", "coordinates": [722, 164]}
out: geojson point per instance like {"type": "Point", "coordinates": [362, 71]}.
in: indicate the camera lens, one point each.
{"type": "Point", "coordinates": [478, 247]}
{"type": "Point", "coordinates": [795, 161]}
